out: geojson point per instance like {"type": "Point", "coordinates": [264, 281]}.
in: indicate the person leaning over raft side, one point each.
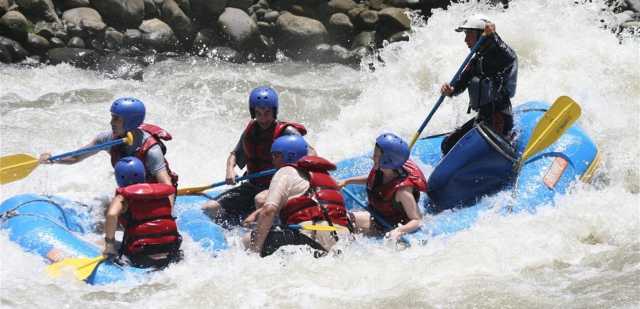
{"type": "Point", "coordinates": [151, 237]}
{"type": "Point", "coordinates": [301, 192]}
{"type": "Point", "coordinates": [127, 115]}
{"type": "Point", "coordinates": [490, 78]}
{"type": "Point", "coordinates": [252, 150]}
{"type": "Point", "coordinates": [393, 190]}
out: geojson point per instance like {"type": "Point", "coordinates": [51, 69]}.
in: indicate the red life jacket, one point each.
{"type": "Point", "coordinates": [382, 197]}
{"type": "Point", "coordinates": [157, 135]}
{"type": "Point", "coordinates": [148, 225]}
{"type": "Point", "coordinates": [256, 144]}
{"type": "Point", "coordinates": [323, 200]}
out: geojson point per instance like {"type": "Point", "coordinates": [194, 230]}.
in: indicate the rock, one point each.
{"type": "Point", "coordinates": [296, 35]}
{"type": "Point", "coordinates": [151, 9]}
{"type": "Point", "coordinates": [15, 25]}
{"type": "Point", "coordinates": [43, 29]}
{"type": "Point", "coordinates": [157, 35]}
{"type": "Point", "coordinates": [119, 66]}
{"type": "Point", "coordinates": [265, 51]}
{"type": "Point", "coordinates": [5, 54]}
{"type": "Point", "coordinates": [341, 28]}
{"type": "Point", "coordinates": [225, 54]}
{"type": "Point", "coordinates": [132, 37]}
{"type": "Point", "coordinates": [204, 39]}
{"type": "Point", "coordinates": [377, 4]}
{"type": "Point", "coordinates": [4, 7]}
{"type": "Point", "coordinates": [39, 9]}
{"type": "Point", "coordinates": [322, 53]}
{"type": "Point", "coordinates": [76, 42]}
{"type": "Point", "coordinates": [353, 13]}
{"type": "Point", "coordinates": [37, 44]}
{"type": "Point", "coordinates": [271, 16]}
{"type": "Point", "coordinates": [364, 39]}
{"type": "Point", "coordinates": [207, 10]}
{"type": "Point", "coordinates": [238, 28]}
{"type": "Point", "coordinates": [240, 4]}
{"type": "Point", "coordinates": [173, 15]}
{"type": "Point", "coordinates": [185, 6]}
{"type": "Point", "coordinates": [393, 20]}
{"type": "Point", "coordinates": [266, 28]}
{"type": "Point", "coordinates": [56, 42]}
{"type": "Point", "coordinates": [79, 57]}
{"type": "Point", "coordinates": [341, 6]}
{"type": "Point", "coordinates": [113, 39]}
{"type": "Point", "coordinates": [399, 36]}
{"type": "Point", "coordinates": [367, 20]}
{"type": "Point", "coordinates": [121, 14]}
{"type": "Point", "coordinates": [18, 53]}
{"type": "Point", "coordinates": [88, 19]}
{"type": "Point", "coordinates": [72, 4]}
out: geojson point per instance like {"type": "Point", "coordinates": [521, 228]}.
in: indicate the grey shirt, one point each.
{"type": "Point", "coordinates": [241, 158]}
{"type": "Point", "coordinates": [153, 161]}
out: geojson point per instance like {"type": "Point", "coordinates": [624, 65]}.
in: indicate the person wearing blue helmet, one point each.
{"type": "Point", "coordinates": [127, 115]}
{"type": "Point", "coordinates": [393, 190]}
{"type": "Point", "coordinates": [252, 151]}
{"type": "Point", "coordinates": [151, 237]}
{"type": "Point", "coordinates": [300, 193]}
{"type": "Point", "coordinates": [490, 79]}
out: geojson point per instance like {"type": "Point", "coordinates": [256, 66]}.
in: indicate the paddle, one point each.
{"type": "Point", "coordinates": [84, 267]}
{"type": "Point", "coordinates": [562, 114]}
{"type": "Point", "coordinates": [18, 166]}
{"type": "Point", "coordinates": [196, 190]}
{"type": "Point", "coordinates": [374, 214]}
{"type": "Point", "coordinates": [441, 99]}
{"type": "Point", "coordinates": [326, 228]}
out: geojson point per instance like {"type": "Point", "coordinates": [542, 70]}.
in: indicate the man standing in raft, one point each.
{"type": "Point", "coordinates": [393, 190]}
{"type": "Point", "coordinates": [252, 150]}
{"type": "Point", "coordinates": [151, 238]}
{"type": "Point", "coordinates": [490, 77]}
{"type": "Point", "coordinates": [301, 193]}
{"type": "Point", "coordinates": [127, 115]}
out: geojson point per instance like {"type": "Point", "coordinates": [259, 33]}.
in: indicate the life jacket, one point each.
{"type": "Point", "coordinates": [140, 148]}
{"type": "Point", "coordinates": [323, 200]}
{"type": "Point", "coordinates": [149, 227]}
{"type": "Point", "coordinates": [257, 147]}
{"type": "Point", "coordinates": [382, 197]}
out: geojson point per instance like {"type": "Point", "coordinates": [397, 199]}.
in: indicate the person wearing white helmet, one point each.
{"type": "Point", "coordinates": [490, 78]}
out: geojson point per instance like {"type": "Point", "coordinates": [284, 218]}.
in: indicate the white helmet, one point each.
{"type": "Point", "coordinates": [475, 22]}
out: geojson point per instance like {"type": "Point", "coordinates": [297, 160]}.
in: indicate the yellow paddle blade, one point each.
{"type": "Point", "coordinates": [83, 267]}
{"type": "Point", "coordinates": [321, 227]}
{"type": "Point", "coordinates": [562, 114]}
{"type": "Point", "coordinates": [16, 167]}
{"type": "Point", "coordinates": [192, 190]}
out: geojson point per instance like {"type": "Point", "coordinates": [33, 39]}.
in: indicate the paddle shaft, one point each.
{"type": "Point", "coordinates": [441, 99]}
{"type": "Point", "coordinates": [373, 213]}
{"type": "Point", "coordinates": [91, 148]}
{"type": "Point", "coordinates": [193, 190]}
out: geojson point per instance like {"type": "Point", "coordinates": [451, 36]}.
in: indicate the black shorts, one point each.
{"type": "Point", "coordinates": [278, 238]}
{"type": "Point", "coordinates": [238, 202]}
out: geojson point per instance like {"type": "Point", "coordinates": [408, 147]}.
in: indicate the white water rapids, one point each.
{"type": "Point", "coordinates": [584, 253]}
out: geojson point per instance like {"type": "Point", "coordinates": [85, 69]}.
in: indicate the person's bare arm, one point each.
{"type": "Point", "coordinates": [410, 207]}
{"type": "Point", "coordinates": [44, 157]}
{"type": "Point", "coordinates": [116, 208]}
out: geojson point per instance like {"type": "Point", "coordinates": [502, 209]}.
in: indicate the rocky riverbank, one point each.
{"type": "Point", "coordinates": [109, 34]}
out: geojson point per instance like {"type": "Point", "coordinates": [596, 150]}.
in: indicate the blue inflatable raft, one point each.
{"type": "Point", "coordinates": [478, 165]}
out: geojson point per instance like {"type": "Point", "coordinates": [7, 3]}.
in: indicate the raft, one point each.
{"type": "Point", "coordinates": [460, 188]}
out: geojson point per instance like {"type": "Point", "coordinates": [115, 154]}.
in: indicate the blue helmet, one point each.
{"type": "Point", "coordinates": [263, 97]}
{"type": "Point", "coordinates": [395, 151]}
{"type": "Point", "coordinates": [131, 110]}
{"type": "Point", "coordinates": [129, 171]}
{"type": "Point", "coordinates": [292, 147]}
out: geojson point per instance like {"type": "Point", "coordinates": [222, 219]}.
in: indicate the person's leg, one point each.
{"type": "Point", "coordinates": [232, 206]}
{"type": "Point", "coordinates": [364, 223]}
{"type": "Point", "coordinates": [455, 136]}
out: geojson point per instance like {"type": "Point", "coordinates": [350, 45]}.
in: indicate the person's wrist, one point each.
{"type": "Point", "coordinates": [110, 241]}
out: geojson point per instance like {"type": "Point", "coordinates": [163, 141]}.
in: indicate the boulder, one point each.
{"type": "Point", "coordinates": [56, 42]}
{"type": "Point", "coordinates": [238, 28]}
{"type": "Point", "coordinates": [38, 9]}
{"type": "Point", "coordinates": [87, 19]}
{"type": "Point", "coordinates": [79, 57]}
{"type": "Point", "coordinates": [18, 53]}
{"type": "Point", "coordinates": [113, 39]}
{"type": "Point", "coordinates": [37, 44]}
{"type": "Point", "coordinates": [204, 39]}
{"type": "Point", "coordinates": [394, 20]}
{"type": "Point", "coordinates": [76, 42]}
{"type": "Point", "coordinates": [173, 15]}
{"type": "Point", "coordinates": [4, 7]}
{"type": "Point", "coordinates": [271, 16]}
{"type": "Point", "coordinates": [207, 10]}
{"type": "Point", "coordinates": [366, 20]}
{"type": "Point", "coordinates": [132, 37]}
{"type": "Point", "coordinates": [241, 4]}
{"type": "Point", "coordinates": [72, 4]}
{"type": "Point", "coordinates": [297, 35]}
{"type": "Point", "coordinates": [15, 25]}
{"type": "Point", "coordinates": [151, 9]}
{"type": "Point", "coordinates": [340, 28]}
{"type": "Point", "coordinates": [5, 54]}
{"type": "Point", "coordinates": [341, 6]}
{"type": "Point", "coordinates": [121, 14]}
{"type": "Point", "coordinates": [157, 35]}
{"type": "Point", "coordinates": [364, 39]}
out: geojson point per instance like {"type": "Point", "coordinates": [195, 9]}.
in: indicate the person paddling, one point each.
{"type": "Point", "coordinates": [252, 151]}
{"type": "Point", "coordinates": [300, 193]}
{"type": "Point", "coordinates": [127, 115]}
{"type": "Point", "coordinates": [490, 79]}
{"type": "Point", "coordinates": [151, 237]}
{"type": "Point", "coordinates": [393, 190]}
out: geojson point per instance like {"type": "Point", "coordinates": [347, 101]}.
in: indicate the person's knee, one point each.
{"type": "Point", "coordinates": [211, 208]}
{"type": "Point", "coordinates": [260, 199]}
